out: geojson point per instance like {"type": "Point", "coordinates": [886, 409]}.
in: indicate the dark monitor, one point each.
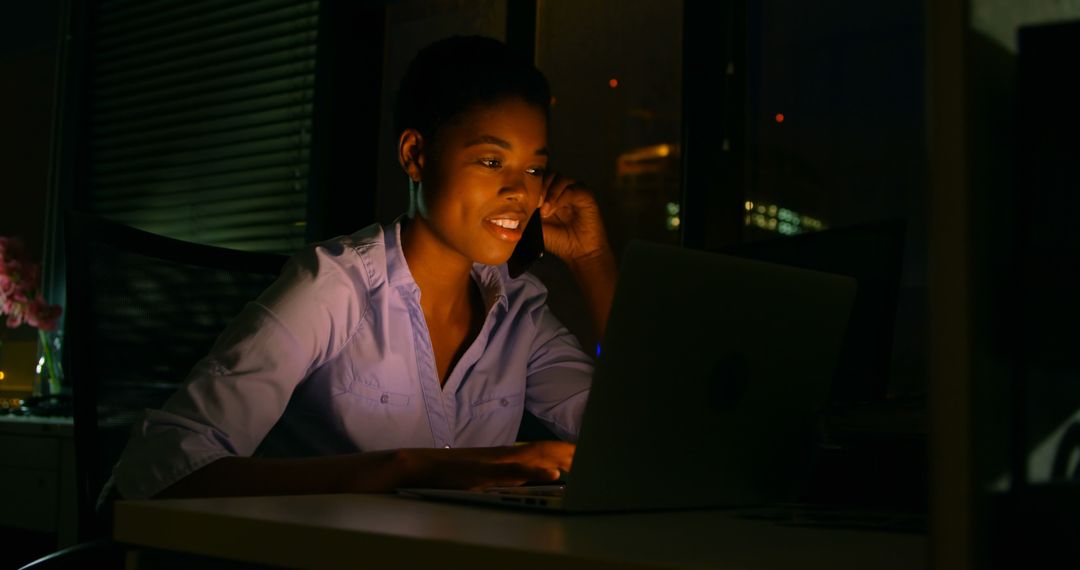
{"type": "Point", "coordinates": [872, 254]}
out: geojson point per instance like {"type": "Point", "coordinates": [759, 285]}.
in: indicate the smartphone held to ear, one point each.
{"type": "Point", "coordinates": [529, 249]}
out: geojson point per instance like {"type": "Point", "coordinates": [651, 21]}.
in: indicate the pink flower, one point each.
{"type": "Point", "coordinates": [15, 318]}
{"type": "Point", "coordinates": [30, 315]}
{"type": "Point", "coordinates": [31, 276]}
{"type": "Point", "coordinates": [7, 286]}
{"type": "Point", "coordinates": [40, 314]}
{"type": "Point", "coordinates": [20, 289]}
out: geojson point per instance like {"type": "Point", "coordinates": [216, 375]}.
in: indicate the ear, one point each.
{"type": "Point", "coordinates": [411, 153]}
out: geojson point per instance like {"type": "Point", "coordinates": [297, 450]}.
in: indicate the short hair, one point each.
{"type": "Point", "coordinates": [455, 75]}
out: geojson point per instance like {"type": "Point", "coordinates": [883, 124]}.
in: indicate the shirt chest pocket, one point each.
{"type": "Point", "coordinates": [497, 403]}
{"type": "Point", "coordinates": [377, 396]}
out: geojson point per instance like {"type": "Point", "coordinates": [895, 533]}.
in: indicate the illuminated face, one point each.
{"type": "Point", "coordinates": [483, 180]}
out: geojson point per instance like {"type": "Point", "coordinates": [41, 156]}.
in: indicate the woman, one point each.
{"type": "Point", "coordinates": [403, 355]}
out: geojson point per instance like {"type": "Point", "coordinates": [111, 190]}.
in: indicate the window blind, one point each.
{"type": "Point", "coordinates": [200, 119]}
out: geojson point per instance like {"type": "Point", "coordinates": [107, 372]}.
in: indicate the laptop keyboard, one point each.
{"type": "Point", "coordinates": [530, 491]}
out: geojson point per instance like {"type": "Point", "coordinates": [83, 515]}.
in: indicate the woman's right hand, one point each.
{"type": "Point", "coordinates": [476, 468]}
{"type": "Point", "coordinates": [377, 471]}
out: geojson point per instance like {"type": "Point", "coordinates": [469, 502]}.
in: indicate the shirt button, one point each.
{"type": "Point", "coordinates": [384, 398]}
{"type": "Point", "coordinates": [504, 402]}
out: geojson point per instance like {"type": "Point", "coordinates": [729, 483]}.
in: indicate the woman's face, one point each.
{"type": "Point", "coordinates": [483, 179]}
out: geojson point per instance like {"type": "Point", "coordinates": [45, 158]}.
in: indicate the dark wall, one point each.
{"type": "Point", "coordinates": [28, 38]}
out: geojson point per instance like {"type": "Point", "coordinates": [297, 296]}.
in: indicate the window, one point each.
{"type": "Point", "coordinates": [615, 123]}
{"type": "Point", "coordinates": [199, 119]}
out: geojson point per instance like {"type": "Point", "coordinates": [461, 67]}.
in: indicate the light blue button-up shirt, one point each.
{"type": "Point", "coordinates": [335, 357]}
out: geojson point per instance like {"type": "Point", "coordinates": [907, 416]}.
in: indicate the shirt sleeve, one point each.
{"type": "Point", "coordinates": [234, 395]}
{"type": "Point", "coordinates": [558, 376]}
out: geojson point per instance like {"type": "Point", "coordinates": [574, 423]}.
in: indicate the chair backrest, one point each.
{"type": "Point", "coordinates": [142, 310]}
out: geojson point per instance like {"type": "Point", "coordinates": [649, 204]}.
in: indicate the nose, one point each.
{"type": "Point", "coordinates": [514, 188]}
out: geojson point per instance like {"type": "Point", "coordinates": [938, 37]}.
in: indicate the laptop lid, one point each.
{"type": "Point", "coordinates": [711, 374]}
{"type": "Point", "coordinates": [872, 253]}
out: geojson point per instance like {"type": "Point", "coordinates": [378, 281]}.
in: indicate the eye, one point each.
{"type": "Point", "coordinates": [490, 162]}
{"type": "Point", "coordinates": [538, 171]}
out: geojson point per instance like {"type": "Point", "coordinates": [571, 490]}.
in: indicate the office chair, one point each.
{"type": "Point", "coordinates": [142, 310]}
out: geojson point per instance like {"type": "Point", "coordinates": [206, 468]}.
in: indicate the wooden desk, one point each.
{"type": "Point", "coordinates": [385, 531]}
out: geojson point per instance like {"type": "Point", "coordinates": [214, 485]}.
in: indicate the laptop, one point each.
{"type": "Point", "coordinates": [707, 389]}
{"type": "Point", "coordinates": [873, 254]}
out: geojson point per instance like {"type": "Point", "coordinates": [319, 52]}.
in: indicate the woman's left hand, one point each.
{"type": "Point", "coordinates": [573, 228]}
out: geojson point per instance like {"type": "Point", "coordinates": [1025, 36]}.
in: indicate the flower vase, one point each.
{"type": "Point", "coordinates": [50, 375]}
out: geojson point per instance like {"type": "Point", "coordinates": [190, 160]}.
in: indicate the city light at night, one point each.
{"type": "Point", "coordinates": [773, 218]}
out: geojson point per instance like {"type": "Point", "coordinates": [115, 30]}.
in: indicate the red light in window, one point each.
{"type": "Point", "coordinates": [613, 83]}
{"type": "Point", "coordinates": [779, 117]}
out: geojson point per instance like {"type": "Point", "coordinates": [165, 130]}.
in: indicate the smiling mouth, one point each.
{"type": "Point", "coordinates": [506, 223]}
{"type": "Point", "coordinates": [505, 228]}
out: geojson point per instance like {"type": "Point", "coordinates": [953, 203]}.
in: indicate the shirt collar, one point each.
{"type": "Point", "coordinates": [488, 277]}
{"type": "Point", "coordinates": [397, 270]}
{"type": "Point", "coordinates": [492, 288]}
